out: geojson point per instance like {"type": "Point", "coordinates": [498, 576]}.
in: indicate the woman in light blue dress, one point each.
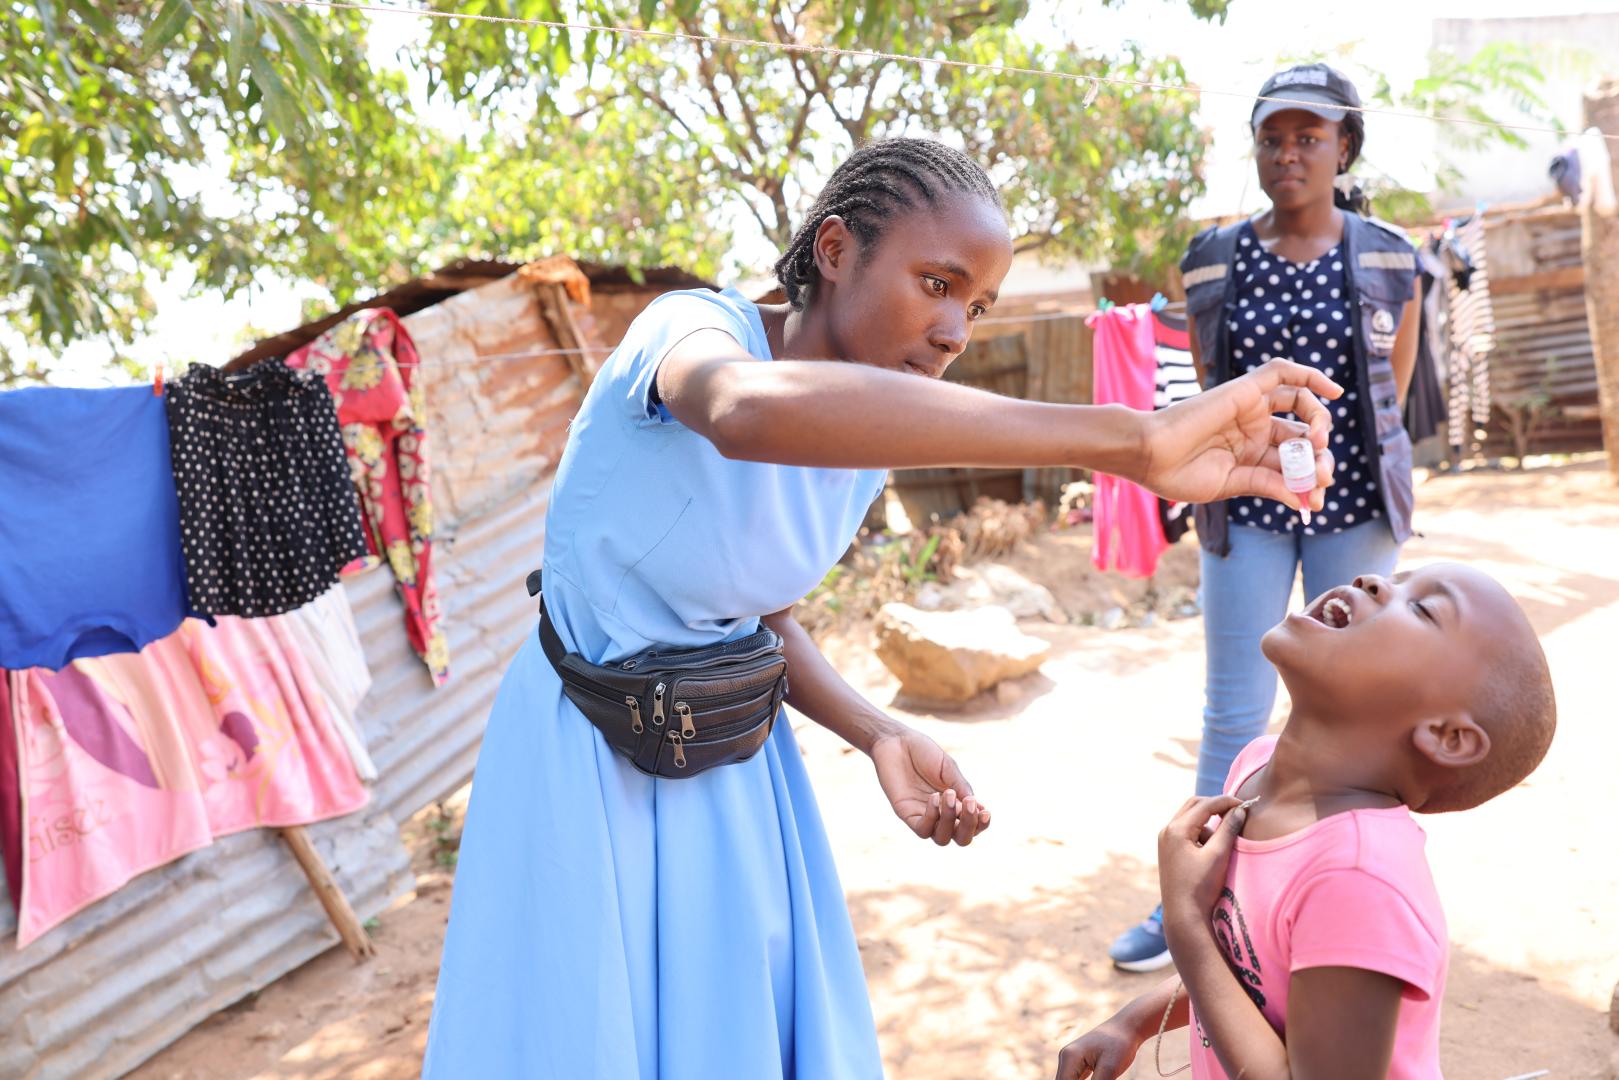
{"type": "Point", "coordinates": [609, 924]}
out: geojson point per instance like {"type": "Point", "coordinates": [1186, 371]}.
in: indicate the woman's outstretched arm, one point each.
{"type": "Point", "coordinates": [1219, 444]}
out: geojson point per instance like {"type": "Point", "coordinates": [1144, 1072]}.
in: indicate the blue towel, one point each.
{"type": "Point", "coordinates": [90, 559]}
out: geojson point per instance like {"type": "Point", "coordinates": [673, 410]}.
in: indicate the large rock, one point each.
{"type": "Point", "coordinates": [951, 656]}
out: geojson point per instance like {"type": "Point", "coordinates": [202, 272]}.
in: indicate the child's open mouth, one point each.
{"type": "Point", "coordinates": [1333, 609]}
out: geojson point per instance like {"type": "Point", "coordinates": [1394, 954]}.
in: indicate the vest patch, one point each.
{"type": "Point", "coordinates": [1212, 272]}
{"type": "Point", "coordinates": [1388, 260]}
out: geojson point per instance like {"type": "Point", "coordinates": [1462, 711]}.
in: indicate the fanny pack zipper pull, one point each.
{"type": "Point", "coordinates": [657, 705]}
{"type": "Point", "coordinates": [635, 714]}
{"type": "Point", "coordinates": [680, 749]}
{"type": "Point", "coordinates": [687, 729]}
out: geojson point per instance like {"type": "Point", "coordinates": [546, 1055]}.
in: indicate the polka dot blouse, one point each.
{"type": "Point", "coordinates": [1300, 312]}
{"type": "Point", "coordinates": [268, 513]}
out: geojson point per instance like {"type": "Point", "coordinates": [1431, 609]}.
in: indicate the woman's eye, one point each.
{"type": "Point", "coordinates": [937, 286]}
{"type": "Point", "coordinates": [976, 311]}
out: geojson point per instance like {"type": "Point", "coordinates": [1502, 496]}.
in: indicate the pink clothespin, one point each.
{"type": "Point", "coordinates": [157, 382]}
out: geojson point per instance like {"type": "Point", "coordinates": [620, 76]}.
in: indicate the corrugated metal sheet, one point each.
{"type": "Point", "coordinates": [498, 430]}
{"type": "Point", "coordinates": [1526, 373]}
{"type": "Point", "coordinates": [129, 975]}
{"type": "Point", "coordinates": [104, 991]}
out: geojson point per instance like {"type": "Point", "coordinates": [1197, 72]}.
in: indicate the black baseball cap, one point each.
{"type": "Point", "coordinates": [1314, 88]}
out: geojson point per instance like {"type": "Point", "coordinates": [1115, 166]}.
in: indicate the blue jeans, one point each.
{"type": "Point", "coordinates": [1244, 595]}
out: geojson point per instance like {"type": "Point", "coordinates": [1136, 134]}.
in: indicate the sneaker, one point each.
{"type": "Point", "coordinates": [1142, 947]}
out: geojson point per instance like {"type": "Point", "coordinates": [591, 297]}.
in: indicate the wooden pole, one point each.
{"type": "Point", "coordinates": [331, 897]}
{"type": "Point", "coordinates": [554, 308]}
{"type": "Point", "coordinates": [1599, 247]}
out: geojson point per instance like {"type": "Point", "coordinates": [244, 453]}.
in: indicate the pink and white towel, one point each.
{"type": "Point", "coordinates": [127, 762]}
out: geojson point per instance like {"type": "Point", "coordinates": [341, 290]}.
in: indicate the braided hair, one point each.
{"type": "Point", "coordinates": [1346, 194]}
{"type": "Point", "coordinates": [874, 185]}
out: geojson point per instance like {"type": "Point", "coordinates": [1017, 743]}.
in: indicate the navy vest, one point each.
{"type": "Point", "coordinates": [1380, 267]}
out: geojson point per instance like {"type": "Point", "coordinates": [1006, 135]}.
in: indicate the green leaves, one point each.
{"type": "Point", "coordinates": [1459, 88]}
{"type": "Point", "coordinates": [171, 19]}
{"type": "Point", "coordinates": [101, 112]}
{"type": "Point", "coordinates": [246, 136]}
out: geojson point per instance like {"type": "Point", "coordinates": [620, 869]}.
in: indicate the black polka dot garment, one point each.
{"type": "Point", "coordinates": [1300, 312]}
{"type": "Point", "coordinates": [268, 514]}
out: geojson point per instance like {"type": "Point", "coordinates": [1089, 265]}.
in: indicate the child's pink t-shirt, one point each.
{"type": "Point", "coordinates": [1352, 890]}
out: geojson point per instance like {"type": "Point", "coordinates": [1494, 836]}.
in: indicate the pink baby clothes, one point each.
{"type": "Point", "coordinates": [1129, 533]}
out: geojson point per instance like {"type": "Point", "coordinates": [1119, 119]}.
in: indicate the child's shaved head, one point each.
{"type": "Point", "coordinates": [1515, 706]}
{"type": "Point", "coordinates": [1438, 667]}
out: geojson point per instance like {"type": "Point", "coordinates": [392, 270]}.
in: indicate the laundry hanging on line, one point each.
{"type": "Point", "coordinates": [268, 514]}
{"type": "Point", "coordinates": [325, 633]}
{"type": "Point", "coordinates": [1129, 536]}
{"type": "Point", "coordinates": [1176, 380]}
{"type": "Point", "coordinates": [90, 555]}
{"type": "Point", "coordinates": [371, 366]}
{"type": "Point", "coordinates": [126, 762]}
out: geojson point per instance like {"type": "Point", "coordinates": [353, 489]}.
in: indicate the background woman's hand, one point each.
{"type": "Point", "coordinates": [926, 789]}
{"type": "Point", "coordinates": [1222, 443]}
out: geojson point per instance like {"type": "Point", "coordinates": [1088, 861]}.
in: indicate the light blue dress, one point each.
{"type": "Point", "coordinates": [606, 924]}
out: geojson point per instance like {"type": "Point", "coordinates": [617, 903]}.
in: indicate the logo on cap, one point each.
{"type": "Point", "coordinates": [1294, 76]}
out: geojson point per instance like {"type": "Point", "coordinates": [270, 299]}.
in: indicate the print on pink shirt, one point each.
{"type": "Point", "coordinates": [1231, 933]}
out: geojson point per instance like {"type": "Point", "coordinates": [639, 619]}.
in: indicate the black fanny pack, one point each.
{"type": "Point", "coordinates": [676, 713]}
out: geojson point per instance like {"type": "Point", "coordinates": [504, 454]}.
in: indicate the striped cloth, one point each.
{"type": "Point", "coordinates": [1176, 381]}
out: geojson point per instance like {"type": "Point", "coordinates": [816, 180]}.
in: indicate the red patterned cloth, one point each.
{"type": "Point", "coordinates": [370, 363]}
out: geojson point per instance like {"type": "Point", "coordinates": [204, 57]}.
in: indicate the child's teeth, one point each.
{"type": "Point", "coordinates": [1338, 613]}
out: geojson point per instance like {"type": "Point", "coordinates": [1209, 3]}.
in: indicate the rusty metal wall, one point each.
{"type": "Point", "coordinates": [498, 429]}
{"type": "Point", "coordinates": [129, 975]}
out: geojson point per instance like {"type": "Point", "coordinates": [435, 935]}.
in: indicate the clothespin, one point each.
{"type": "Point", "coordinates": [1103, 305]}
{"type": "Point", "coordinates": [1159, 302]}
{"type": "Point", "coordinates": [157, 381]}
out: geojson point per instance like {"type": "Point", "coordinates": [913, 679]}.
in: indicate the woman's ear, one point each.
{"type": "Point", "coordinates": [834, 248]}
{"type": "Point", "coordinates": [1452, 742]}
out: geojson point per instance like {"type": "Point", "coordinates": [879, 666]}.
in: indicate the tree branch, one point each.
{"type": "Point", "coordinates": [1031, 242]}
{"type": "Point", "coordinates": [763, 225]}
{"type": "Point", "coordinates": [601, 103]}
{"type": "Point", "coordinates": [657, 99]}
{"type": "Point", "coordinates": [793, 58]}
{"type": "Point", "coordinates": [705, 68]}
{"type": "Point", "coordinates": [870, 87]}
{"type": "Point", "coordinates": [760, 150]}
{"type": "Point", "coordinates": [825, 88]}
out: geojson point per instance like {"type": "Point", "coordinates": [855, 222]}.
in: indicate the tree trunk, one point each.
{"type": "Point", "coordinates": [1599, 244]}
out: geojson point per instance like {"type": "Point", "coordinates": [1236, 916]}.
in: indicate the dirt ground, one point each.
{"type": "Point", "coordinates": [982, 962]}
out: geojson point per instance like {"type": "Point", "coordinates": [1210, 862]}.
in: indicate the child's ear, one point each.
{"type": "Point", "coordinates": [1452, 742]}
{"type": "Point", "coordinates": [834, 248]}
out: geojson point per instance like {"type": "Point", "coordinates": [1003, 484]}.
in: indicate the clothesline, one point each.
{"type": "Point", "coordinates": [540, 354]}
{"type": "Point", "coordinates": [1094, 82]}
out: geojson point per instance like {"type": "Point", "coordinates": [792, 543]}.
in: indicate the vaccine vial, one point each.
{"type": "Point", "coordinates": [1298, 471]}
